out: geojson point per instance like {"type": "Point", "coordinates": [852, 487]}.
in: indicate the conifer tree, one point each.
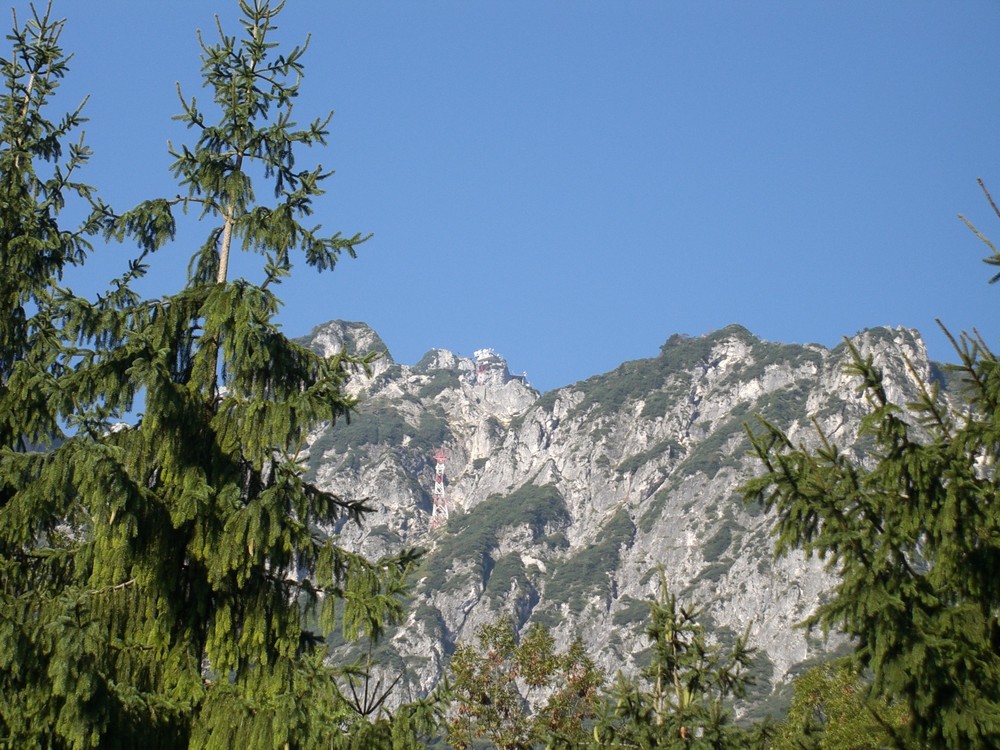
{"type": "Point", "coordinates": [831, 710]}
{"type": "Point", "coordinates": [914, 537]}
{"type": "Point", "coordinates": [37, 564]}
{"type": "Point", "coordinates": [681, 700]}
{"type": "Point", "coordinates": [158, 574]}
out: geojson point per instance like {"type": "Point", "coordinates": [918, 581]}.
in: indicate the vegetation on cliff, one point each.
{"type": "Point", "coordinates": [167, 579]}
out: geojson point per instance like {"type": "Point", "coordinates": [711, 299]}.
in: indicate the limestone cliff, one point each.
{"type": "Point", "coordinates": [562, 507]}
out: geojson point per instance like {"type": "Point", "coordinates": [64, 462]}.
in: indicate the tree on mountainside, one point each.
{"type": "Point", "coordinates": [681, 700]}
{"type": "Point", "coordinates": [498, 688]}
{"type": "Point", "coordinates": [831, 710]}
{"type": "Point", "coordinates": [914, 537]}
{"type": "Point", "coordinates": [157, 579]}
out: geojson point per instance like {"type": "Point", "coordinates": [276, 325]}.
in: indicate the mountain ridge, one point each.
{"type": "Point", "coordinates": [563, 505]}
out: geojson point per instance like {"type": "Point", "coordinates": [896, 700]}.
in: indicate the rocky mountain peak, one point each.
{"type": "Point", "coordinates": [563, 507]}
{"type": "Point", "coordinates": [354, 338]}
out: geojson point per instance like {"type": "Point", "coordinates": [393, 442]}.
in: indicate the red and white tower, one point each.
{"type": "Point", "coordinates": [439, 510]}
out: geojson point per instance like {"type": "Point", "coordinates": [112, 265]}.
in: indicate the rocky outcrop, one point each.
{"type": "Point", "coordinates": [564, 507]}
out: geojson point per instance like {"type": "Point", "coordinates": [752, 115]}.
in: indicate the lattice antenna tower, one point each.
{"type": "Point", "coordinates": [439, 502]}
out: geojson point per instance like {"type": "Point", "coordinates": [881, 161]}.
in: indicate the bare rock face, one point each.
{"type": "Point", "coordinates": [563, 508]}
{"type": "Point", "coordinates": [356, 339]}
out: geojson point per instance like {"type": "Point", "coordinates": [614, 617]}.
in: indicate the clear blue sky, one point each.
{"type": "Point", "coordinates": [572, 182]}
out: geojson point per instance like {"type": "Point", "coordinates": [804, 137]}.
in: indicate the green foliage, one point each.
{"type": "Point", "coordinates": [719, 542]}
{"type": "Point", "coordinates": [654, 508]}
{"type": "Point", "coordinates": [831, 710]}
{"type": "Point", "coordinates": [760, 700]}
{"type": "Point", "coordinates": [432, 430]}
{"type": "Point", "coordinates": [543, 405]}
{"type": "Point", "coordinates": [676, 389]}
{"type": "Point", "coordinates": [630, 611]}
{"type": "Point", "coordinates": [645, 378]}
{"type": "Point", "coordinates": [380, 425]}
{"type": "Point", "coordinates": [556, 540]}
{"type": "Point", "coordinates": [384, 427]}
{"type": "Point", "coordinates": [585, 573]}
{"type": "Point", "coordinates": [667, 447]}
{"type": "Point", "coordinates": [151, 574]}
{"type": "Point", "coordinates": [712, 573]}
{"type": "Point", "coordinates": [607, 393]}
{"type": "Point", "coordinates": [487, 683]}
{"type": "Point", "coordinates": [390, 374]}
{"type": "Point", "coordinates": [382, 531]}
{"type": "Point", "coordinates": [766, 354]}
{"type": "Point", "coordinates": [724, 448]}
{"type": "Point", "coordinates": [473, 536]}
{"type": "Point", "coordinates": [914, 540]}
{"type": "Point", "coordinates": [680, 700]}
{"type": "Point", "coordinates": [784, 406]}
{"type": "Point", "coordinates": [414, 726]}
{"type": "Point", "coordinates": [438, 381]}
{"type": "Point", "coordinates": [424, 364]}
{"type": "Point", "coordinates": [681, 352]}
{"type": "Point", "coordinates": [506, 573]}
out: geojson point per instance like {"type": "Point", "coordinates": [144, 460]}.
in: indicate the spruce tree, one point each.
{"type": "Point", "coordinates": [832, 710]}
{"type": "Point", "coordinates": [682, 697]}
{"type": "Point", "coordinates": [914, 537]}
{"type": "Point", "coordinates": [39, 577]}
{"type": "Point", "coordinates": [160, 574]}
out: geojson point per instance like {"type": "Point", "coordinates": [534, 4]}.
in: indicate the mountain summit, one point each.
{"type": "Point", "coordinates": [563, 507]}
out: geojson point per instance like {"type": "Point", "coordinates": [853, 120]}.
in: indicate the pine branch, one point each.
{"type": "Point", "coordinates": [110, 589]}
{"type": "Point", "coordinates": [989, 197]}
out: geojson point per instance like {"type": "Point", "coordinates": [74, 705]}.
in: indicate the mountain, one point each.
{"type": "Point", "coordinates": [563, 507]}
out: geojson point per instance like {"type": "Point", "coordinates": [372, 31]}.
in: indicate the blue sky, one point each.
{"type": "Point", "coordinates": [572, 182]}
